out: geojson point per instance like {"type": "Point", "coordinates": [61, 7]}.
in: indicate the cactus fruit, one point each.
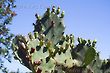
{"type": "Point", "coordinates": [58, 10]}
{"type": "Point", "coordinates": [49, 50]}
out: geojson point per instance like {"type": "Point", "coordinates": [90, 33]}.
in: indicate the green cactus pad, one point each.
{"type": "Point", "coordinates": [51, 25]}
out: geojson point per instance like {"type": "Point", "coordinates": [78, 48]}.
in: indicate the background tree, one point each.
{"type": "Point", "coordinates": [6, 16]}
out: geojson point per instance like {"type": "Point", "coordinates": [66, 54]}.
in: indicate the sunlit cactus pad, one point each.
{"type": "Point", "coordinates": [50, 24]}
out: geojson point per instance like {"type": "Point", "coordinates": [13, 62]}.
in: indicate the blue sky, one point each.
{"type": "Point", "coordinates": [89, 19]}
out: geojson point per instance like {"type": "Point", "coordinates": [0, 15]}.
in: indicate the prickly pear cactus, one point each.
{"type": "Point", "coordinates": [49, 50]}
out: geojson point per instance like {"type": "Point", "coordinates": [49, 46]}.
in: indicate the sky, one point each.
{"type": "Point", "coordinates": [89, 19]}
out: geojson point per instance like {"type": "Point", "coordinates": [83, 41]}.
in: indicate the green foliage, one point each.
{"type": "Point", "coordinates": [6, 16]}
{"type": "Point", "coordinates": [49, 50]}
